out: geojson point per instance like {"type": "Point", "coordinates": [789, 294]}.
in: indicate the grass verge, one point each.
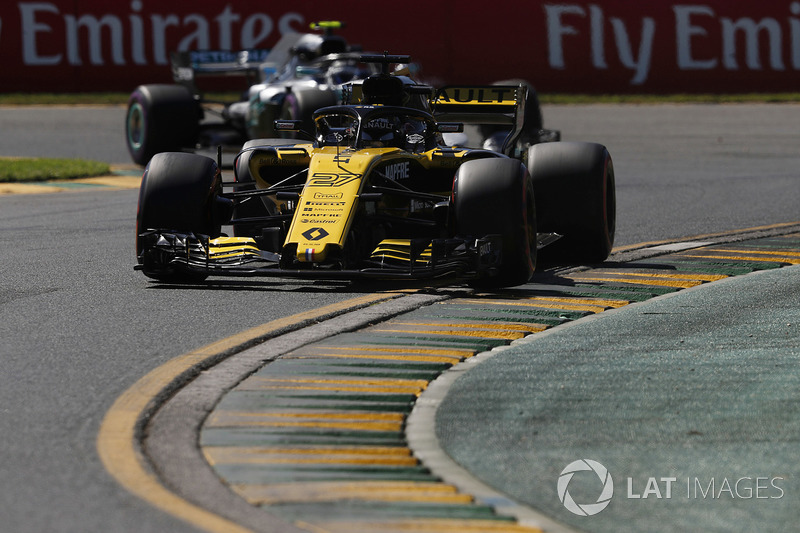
{"type": "Point", "coordinates": [29, 170]}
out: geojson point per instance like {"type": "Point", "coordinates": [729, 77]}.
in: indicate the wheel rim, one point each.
{"type": "Point", "coordinates": [136, 126]}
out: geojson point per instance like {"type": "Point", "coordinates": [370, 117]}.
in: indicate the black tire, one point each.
{"type": "Point", "coordinates": [160, 118]}
{"type": "Point", "coordinates": [300, 105]}
{"type": "Point", "coordinates": [575, 194]}
{"type": "Point", "coordinates": [495, 196]}
{"type": "Point", "coordinates": [178, 193]}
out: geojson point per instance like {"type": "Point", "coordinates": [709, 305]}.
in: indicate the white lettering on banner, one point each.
{"type": "Point", "coordinates": [557, 29]}
{"type": "Point", "coordinates": [794, 26]}
{"type": "Point", "coordinates": [29, 30]}
{"type": "Point", "coordinates": [137, 35]}
{"type": "Point", "coordinates": [94, 28]}
{"type": "Point", "coordinates": [752, 32]}
{"type": "Point", "coordinates": [684, 33]}
{"type": "Point", "coordinates": [109, 32]}
{"type": "Point", "coordinates": [692, 25]}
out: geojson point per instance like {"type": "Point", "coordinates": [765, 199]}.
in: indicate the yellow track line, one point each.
{"type": "Point", "coordinates": [439, 525]}
{"type": "Point", "coordinates": [528, 328]}
{"type": "Point", "coordinates": [117, 440]}
{"type": "Point", "coordinates": [746, 258]}
{"type": "Point", "coordinates": [640, 281]}
{"type": "Point", "coordinates": [452, 352]}
{"type": "Point", "coordinates": [331, 491]}
{"type": "Point", "coordinates": [224, 452]}
{"type": "Point", "coordinates": [432, 492]}
{"type": "Point", "coordinates": [539, 305]}
{"type": "Point", "coordinates": [701, 237]}
{"type": "Point", "coordinates": [765, 252]}
{"type": "Point", "coordinates": [601, 302]}
{"type": "Point", "coordinates": [482, 334]}
{"type": "Point", "coordinates": [699, 277]}
{"type": "Point", "coordinates": [310, 414]}
{"type": "Point", "coordinates": [409, 358]}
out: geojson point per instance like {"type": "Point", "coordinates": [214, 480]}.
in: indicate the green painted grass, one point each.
{"type": "Point", "coordinates": [22, 170]}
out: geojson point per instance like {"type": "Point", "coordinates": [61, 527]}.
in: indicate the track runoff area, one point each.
{"type": "Point", "coordinates": [312, 429]}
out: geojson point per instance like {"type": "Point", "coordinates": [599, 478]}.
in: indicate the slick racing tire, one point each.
{"type": "Point", "coordinates": [495, 197]}
{"type": "Point", "coordinates": [300, 105]}
{"type": "Point", "coordinates": [179, 192]}
{"type": "Point", "coordinates": [160, 118]}
{"type": "Point", "coordinates": [573, 183]}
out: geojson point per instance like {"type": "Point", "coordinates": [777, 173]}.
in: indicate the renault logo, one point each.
{"type": "Point", "coordinates": [315, 234]}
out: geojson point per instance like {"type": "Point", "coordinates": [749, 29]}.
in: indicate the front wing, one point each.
{"type": "Point", "coordinates": [167, 254]}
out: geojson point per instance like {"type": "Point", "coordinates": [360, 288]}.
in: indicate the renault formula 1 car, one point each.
{"type": "Point", "coordinates": [376, 194]}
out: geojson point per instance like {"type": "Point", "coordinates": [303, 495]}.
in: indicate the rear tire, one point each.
{"type": "Point", "coordinates": [574, 187]}
{"type": "Point", "coordinates": [160, 118]}
{"type": "Point", "coordinates": [178, 193]}
{"type": "Point", "coordinates": [495, 196]}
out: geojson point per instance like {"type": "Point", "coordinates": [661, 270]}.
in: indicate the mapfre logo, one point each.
{"type": "Point", "coordinates": [585, 509]}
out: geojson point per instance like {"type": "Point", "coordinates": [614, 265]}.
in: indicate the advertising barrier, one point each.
{"type": "Point", "coordinates": [576, 46]}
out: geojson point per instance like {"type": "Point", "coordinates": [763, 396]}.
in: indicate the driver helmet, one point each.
{"type": "Point", "coordinates": [382, 132]}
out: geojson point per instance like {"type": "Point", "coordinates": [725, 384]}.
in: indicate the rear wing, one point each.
{"type": "Point", "coordinates": [189, 65]}
{"type": "Point", "coordinates": [483, 105]}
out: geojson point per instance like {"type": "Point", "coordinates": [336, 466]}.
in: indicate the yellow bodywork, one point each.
{"type": "Point", "coordinates": [330, 198]}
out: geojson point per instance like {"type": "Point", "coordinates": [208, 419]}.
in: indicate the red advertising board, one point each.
{"type": "Point", "coordinates": [613, 46]}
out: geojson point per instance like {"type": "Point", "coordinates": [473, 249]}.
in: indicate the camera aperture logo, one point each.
{"type": "Point", "coordinates": [585, 509]}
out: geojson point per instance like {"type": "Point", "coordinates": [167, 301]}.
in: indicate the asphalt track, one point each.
{"type": "Point", "coordinates": [328, 435]}
{"type": "Point", "coordinates": [222, 439]}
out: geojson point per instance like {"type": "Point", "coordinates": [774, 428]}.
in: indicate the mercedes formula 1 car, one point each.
{"type": "Point", "coordinates": [375, 193]}
{"type": "Point", "coordinates": [303, 72]}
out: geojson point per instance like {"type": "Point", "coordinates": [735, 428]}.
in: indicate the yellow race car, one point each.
{"type": "Point", "coordinates": [376, 192]}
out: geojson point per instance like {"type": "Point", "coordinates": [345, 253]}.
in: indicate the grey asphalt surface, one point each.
{"type": "Point", "coordinates": [79, 326]}
{"type": "Point", "coordinates": [682, 170]}
{"type": "Point", "coordinates": [700, 386]}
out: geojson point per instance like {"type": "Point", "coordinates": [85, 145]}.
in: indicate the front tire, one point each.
{"type": "Point", "coordinates": [179, 193]}
{"type": "Point", "coordinates": [495, 196]}
{"type": "Point", "coordinates": [575, 194]}
{"type": "Point", "coordinates": [160, 118]}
